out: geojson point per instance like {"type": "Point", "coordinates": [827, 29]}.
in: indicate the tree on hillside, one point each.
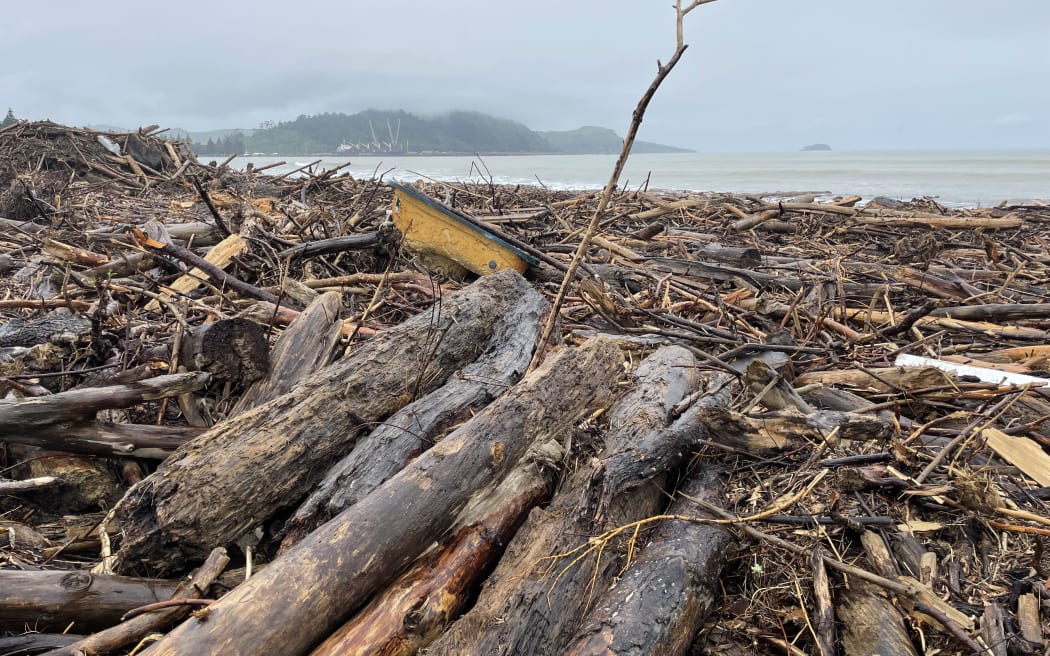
{"type": "Point", "coordinates": [9, 119]}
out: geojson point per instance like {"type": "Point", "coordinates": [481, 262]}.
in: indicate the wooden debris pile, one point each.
{"type": "Point", "coordinates": [769, 425]}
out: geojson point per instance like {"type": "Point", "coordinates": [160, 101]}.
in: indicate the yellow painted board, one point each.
{"type": "Point", "coordinates": [431, 228]}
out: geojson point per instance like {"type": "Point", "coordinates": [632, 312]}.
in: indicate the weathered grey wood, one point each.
{"type": "Point", "coordinates": [520, 610]}
{"type": "Point", "coordinates": [993, 629]}
{"type": "Point", "coordinates": [18, 415]}
{"type": "Point", "coordinates": [414, 428]}
{"type": "Point", "coordinates": [773, 432]}
{"type": "Point", "coordinates": [659, 605]}
{"type": "Point", "coordinates": [869, 621]}
{"type": "Point", "coordinates": [35, 643]}
{"type": "Point", "coordinates": [823, 608]}
{"type": "Point", "coordinates": [657, 451]}
{"type": "Point", "coordinates": [239, 473]}
{"type": "Point", "coordinates": [52, 600]}
{"type": "Point", "coordinates": [107, 439]}
{"type": "Point", "coordinates": [305, 594]}
{"type": "Point", "coordinates": [303, 348]}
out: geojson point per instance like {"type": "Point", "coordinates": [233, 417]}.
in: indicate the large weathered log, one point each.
{"type": "Point", "coordinates": [661, 602]}
{"type": "Point", "coordinates": [306, 346]}
{"type": "Point", "coordinates": [53, 600]}
{"type": "Point", "coordinates": [521, 610]}
{"type": "Point", "coordinates": [388, 448]}
{"type": "Point", "coordinates": [232, 478]}
{"type": "Point", "coordinates": [414, 611]}
{"type": "Point", "coordinates": [303, 595]}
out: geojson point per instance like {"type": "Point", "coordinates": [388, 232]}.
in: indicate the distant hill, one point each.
{"type": "Point", "coordinates": [396, 131]}
{"type": "Point", "coordinates": [594, 140]}
{"type": "Point", "coordinates": [202, 137]}
{"type": "Point", "coordinates": [817, 147]}
{"type": "Point", "coordinates": [384, 132]}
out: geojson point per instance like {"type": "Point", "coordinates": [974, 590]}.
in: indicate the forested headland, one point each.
{"type": "Point", "coordinates": [400, 132]}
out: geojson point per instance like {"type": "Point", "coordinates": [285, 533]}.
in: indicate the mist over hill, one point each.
{"type": "Point", "coordinates": [590, 140]}
{"type": "Point", "coordinates": [383, 132]}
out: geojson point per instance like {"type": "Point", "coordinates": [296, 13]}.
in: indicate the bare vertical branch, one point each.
{"type": "Point", "coordinates": [636, 120]}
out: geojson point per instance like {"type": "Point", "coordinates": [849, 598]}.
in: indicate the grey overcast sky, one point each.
{"type": "Point", "coordinates": [760, 75]}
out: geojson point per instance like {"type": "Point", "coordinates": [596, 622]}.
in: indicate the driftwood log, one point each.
{"type": "Point", "coordinates": [523, 609]}
{"type": "Point", "coordinates": [135, 627]}
{"type": "Point", "coordinates": [229, 480]}
{"type": "Point", "coordinates": [659, 605]}
{"type": "Point", "coordinates": [304, 595]}
{"type": "Point", "coordinates": [413, 611]}
{"type": "Point", "coordinates": [411, 430]}
{"type": "Point", "coordinates": [54, 600]}
{"type": "Point", "coordinates": [19, 416]}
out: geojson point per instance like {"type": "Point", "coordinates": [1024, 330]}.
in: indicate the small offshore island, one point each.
{"type": "Point", "coordinates": [817, 146]}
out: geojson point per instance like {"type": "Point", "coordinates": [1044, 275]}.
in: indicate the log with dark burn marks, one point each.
{"type": "Point", "coordinates": [521, 609]}
{"type": "Point", "coordinates": [414, 611]}
{"type": "Point", "coordinates": [417, 426]}
{"type": "Point", "coordinates": [231, 479]}
{"type": "Point", "coordinates": [53, 600]}
{"type": "Point", "coordinates": [658, 606]}
{"type": "Point", "coordinates": [305, 594]}
{"type": "Point", "coordinates": [233, 350]}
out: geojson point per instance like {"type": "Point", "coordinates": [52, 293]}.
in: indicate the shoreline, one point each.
{"type": "Point", "coordinates": [959, 179]}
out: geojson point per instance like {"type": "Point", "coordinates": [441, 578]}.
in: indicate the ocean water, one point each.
{"type": "Point", "coordinates": [956, 178]}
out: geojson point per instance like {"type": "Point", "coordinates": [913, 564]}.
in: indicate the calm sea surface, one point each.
{"type": "Point", "coordinates": [960, 178]}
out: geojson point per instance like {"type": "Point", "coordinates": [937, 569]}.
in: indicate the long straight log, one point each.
{"type": "Point", "coordinates": [241, 472]}
{"type": "Point", "coordinates": [107, 439]}
{"type": "Point", "coordinates": [54, 600]}
{"type": "Point", "coordinates": [35, 643]}
{"type": "Point", "coordinates": [79, 404]}
{"type": "Point", "coordinates": [521, 609]}
{"type": "Point", "coordinates": [305, 594]}
{"type": "Point", "coordinates": [414, 428]}
{"type": "Point", "coordinates": [659, 605]}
